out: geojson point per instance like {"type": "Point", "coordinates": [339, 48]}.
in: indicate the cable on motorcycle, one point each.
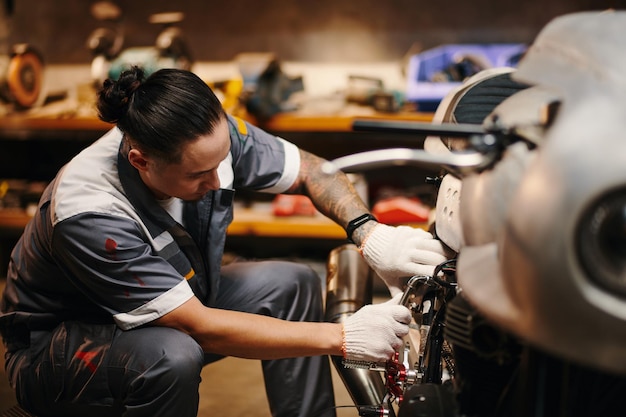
{"type": "Point", "coordinates": [447, 269]}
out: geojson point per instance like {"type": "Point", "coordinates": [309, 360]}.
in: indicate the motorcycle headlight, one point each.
{"type": "Point", "coordinates": [601, 242]}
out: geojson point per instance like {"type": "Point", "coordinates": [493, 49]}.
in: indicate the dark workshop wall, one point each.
{"type": "Point", "coordinates": [298, 30]}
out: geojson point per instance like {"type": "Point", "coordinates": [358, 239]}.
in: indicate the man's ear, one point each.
{"type": "Point", "coordinates": [137, 159]}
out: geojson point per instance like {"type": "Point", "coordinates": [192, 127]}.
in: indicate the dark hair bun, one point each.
{"type": "Point", "coordinates": [115, 96]}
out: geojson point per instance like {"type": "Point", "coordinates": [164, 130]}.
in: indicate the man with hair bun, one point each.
{"type": "Point", "coordinates": [116, 296]}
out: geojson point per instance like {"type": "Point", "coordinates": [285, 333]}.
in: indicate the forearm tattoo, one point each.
{"type": "Point", "coordinates": [332, 194]}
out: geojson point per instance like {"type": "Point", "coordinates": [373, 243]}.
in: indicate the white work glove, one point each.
{"type": "Point", "coordinates": [375, 331]}
{"type": "Point", "coordinates": [400, 252]}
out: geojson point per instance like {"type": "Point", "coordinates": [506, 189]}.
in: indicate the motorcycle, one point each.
{"type": "Point", "coordinates": [529, 319]}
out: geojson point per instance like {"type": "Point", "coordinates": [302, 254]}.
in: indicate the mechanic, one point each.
{"type": "Point", "coordinates": [116, 296]}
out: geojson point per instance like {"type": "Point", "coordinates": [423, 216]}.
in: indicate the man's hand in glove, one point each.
{"type": "Point", "coordinates": [375, 331]}
{"type": "Point", "coordinates": [401, 252]}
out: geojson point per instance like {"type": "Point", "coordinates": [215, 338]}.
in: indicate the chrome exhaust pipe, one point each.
{"type": "Point", "coordinates": [348, 288]}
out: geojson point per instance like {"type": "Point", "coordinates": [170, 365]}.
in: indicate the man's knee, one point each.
{"type": "Point", "coordinates": [280, 289]}
{"type": "Point", "coordinates": [302, 282]}
{"type": "Point", "coordinates": [296, 277]}
{"type": "Point", "coordinates": [182, 355]}
{"type": "Point", "coordinates": [159, 352]}
{"type": "Point", "coordinates": [301, 292]}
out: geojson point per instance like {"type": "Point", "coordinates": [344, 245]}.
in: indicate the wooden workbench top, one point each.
{"type": "Point", "coordinates": [256, 220]}
{"type": "Point", "coordinates": [253, 221]}
{"type": "Point", "coordinates": [62, 119]}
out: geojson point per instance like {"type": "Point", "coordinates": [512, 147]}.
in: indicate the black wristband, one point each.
{"type": "Point", "coordinates": [358, 222]}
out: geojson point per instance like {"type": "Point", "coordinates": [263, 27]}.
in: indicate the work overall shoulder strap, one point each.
{"type": "Point", "coordinates": [179, 248]}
